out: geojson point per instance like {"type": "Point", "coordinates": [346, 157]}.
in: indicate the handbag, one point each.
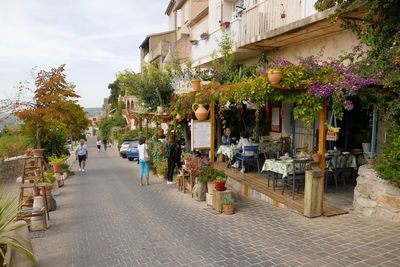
{"type": "Point", "coordinates": [332, 134]}
{"type": "Point", "coordinates": [146, 159]}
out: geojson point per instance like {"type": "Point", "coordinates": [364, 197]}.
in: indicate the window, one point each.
{"type": "Point", "coordinates": [186, 11]}
{"type": "Point", "coordinates": [179, 18]}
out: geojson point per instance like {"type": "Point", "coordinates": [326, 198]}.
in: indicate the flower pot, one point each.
{"type": "Point", "coordinates": [210, 187]}
{"type": "Point", "coordinates": [201, 112]}
{"type": "Point", "coordinates": [160, 110]}
{"type": "Point", "coordinates": [60, 183]}
{"type": "Point", "coordinates": [56, 168]}
{"type": "Point", "coordinates": [196, 84]}
{"type": "Point", "coordinates": [32, 163]}
{"type": "Point", "coordinates": [161, 176]}
{"type": "Point", "coordinates": [49, 190]}
{"type": "Point", "coordinates": [274, 76]}
{"type": "Point", "coordinates": [220, 186]}
{"type": "Point", "coordinates": [36, 191]}
{"type": "Point", "coordinates": [316, 157]}
{"type": "Point", "coordinates": [228, 209]}
{"type": "Point", "coordinates": [38, 152]}
{"type": "Point", "coordinates": [221, 158]}
{"type": "Point", "coordinates": [27, 153]}
{"type": "Point", "coordinates": [371, 162]}
{"type": "Point", "coordinates": [153, 171]}
{"type": "Point", "coordinates": [178, 117]}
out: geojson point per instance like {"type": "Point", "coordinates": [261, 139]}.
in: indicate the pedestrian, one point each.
{"type": "Point", "coordinates": [82, 154]}
{"type": "Point", "coordinates": [144, 160]}
{"type": "Point", "coordinates": [105, 144]}
{"type": "Point", "coordinates": [172, 151]}
{"type": "Point", "coordinates": [98, 144]}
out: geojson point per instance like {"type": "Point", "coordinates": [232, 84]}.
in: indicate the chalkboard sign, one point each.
{"type": "Point", "coordinates": [201, 134]}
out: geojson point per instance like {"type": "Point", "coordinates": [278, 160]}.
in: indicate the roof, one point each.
{"type": "Point", "coordinates": [169, 7]}
{"type": "Point", "coordinates": [146, 40]}
{"type": "Point", "coordinates": [199, 16]}
{"type": "Point", "coordinates": [179, 4]}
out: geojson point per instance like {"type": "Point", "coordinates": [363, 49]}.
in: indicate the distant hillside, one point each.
{"type": "Point", "coordinates": [9, 121]}
{"type": "Point", "coordinates": [93, 111]}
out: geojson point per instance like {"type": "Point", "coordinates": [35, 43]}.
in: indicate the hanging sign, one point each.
{"type": "Point", "coordinates": [201, 134]}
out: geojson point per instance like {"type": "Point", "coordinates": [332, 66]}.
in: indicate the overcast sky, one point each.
{"type": "Point", "coordinates": [94, 38]}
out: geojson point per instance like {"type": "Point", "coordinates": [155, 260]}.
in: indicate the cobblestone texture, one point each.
{"type": "Point", "coordinates": [104, 218]}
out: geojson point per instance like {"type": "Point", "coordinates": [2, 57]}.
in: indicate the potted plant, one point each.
{"type": "Point", "coordinates": [371, 160]}
{"type": "Point", "coordinates": [220, 183]}
{"type": "Point", "coordinates": [209, 175]}
{"type": "Point", "coordinates": [274, 76]}
{"type": "Point", "coordinates": [227, 206]}
{"type": "Point", "coordinates": [365, 136]}
{"type": "Point", "coordinates": [38, 152]}
{"type": "Point", "coordinates": [162, 169]}
{"type": "Point", "coordinates": [187, 157]}
{"type": "Point", "coordinates": [28, 153]}
{"type": "Point", "coordinates": [57, 162]}
{"type": "Point", "coordinates": [9, 209]}
{"type": "Point", "coordinates": [49, 179]}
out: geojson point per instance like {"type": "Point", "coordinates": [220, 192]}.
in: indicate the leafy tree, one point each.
{"type": "Point", "coordinates": [108, 123]}
{"type": "Point", "coordinates": [115, 91]}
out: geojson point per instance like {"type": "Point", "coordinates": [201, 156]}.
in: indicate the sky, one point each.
{"type": "Point", "coordinates": [94, 38]}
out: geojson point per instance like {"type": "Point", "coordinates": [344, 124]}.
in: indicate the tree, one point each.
{"type": "Point", "coordinates": [49, 108]}
{"type": "Point", "coordinates": [115, 91]}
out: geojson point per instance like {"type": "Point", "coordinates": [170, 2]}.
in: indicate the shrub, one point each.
{"type": "Point", "coordinates": [11, 146]}
{"type": "Point", "coordinates": [227, 201]}
{"type": "Point", "coordinates": [210, 174]}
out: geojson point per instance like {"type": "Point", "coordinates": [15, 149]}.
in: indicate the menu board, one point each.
{"type": "Point", "coordinates": [201, 134]}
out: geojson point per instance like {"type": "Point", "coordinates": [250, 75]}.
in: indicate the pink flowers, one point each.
{"type": "Point", "coordinates": [348, 105]}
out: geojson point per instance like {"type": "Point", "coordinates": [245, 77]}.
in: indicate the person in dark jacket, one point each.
{"type": "Point", "coordinates": [172, 152]}
{"type": "Point", "coordinates": [105, 144]}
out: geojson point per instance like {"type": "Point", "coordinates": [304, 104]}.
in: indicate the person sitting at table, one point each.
{"type": "Point", "coordinates": [244, 141]}
{"type": "Point", "coordinates": [227, 139]}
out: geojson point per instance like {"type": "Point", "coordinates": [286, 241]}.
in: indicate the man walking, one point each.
{"type": "Point", "coordinates": [82, 154]}
{"type": "Point", "coordinates": [105, 144]}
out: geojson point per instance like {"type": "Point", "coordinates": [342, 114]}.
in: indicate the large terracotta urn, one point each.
{"type": "Point", "coordinates": [178, 117]}
{"type": "Point", "coordinates": [196, 84]}
{"type": "Point", "coordinates": [274, 76]}
{"type": "Point", "coordinates": [201, 112]}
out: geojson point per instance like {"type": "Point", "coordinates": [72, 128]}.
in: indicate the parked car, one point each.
{"type": "Point", "coordinates": [133, 152]}
{"type": "Point", "coordinates": [126, 145]}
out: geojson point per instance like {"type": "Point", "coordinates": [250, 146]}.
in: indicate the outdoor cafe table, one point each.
{"type": "Point", "coordinates": [344, 161]}
{"type": "Point", "coordinates": [270, 146]}
{"type": "Point", "coordinates": [228, 151]}
{"type": "Point", "coordinates": [284, 167]}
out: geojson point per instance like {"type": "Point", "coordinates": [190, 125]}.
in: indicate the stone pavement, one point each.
{"type": "Point", "coordinates": [104, 218]}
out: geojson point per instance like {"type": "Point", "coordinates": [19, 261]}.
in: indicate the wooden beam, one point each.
{"type": "Point", "coordinates": [212, 148]}
{"type": "Point", "coordinates": [219, 131]}
{"type": "Point", "coordinates": [322, 145]}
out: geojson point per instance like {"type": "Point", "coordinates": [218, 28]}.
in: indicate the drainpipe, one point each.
{"type": "Point", "coordinates": [374, 131]}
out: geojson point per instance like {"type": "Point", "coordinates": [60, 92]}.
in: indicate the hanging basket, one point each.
{"type": "Point", "coordinates": [332, 134]}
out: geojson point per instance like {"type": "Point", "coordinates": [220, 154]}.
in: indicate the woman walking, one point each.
{"type": "Point", "coordinates": [144, 160]}
{"type": "Point", "coordinates": [172, 152]}
{"type": "Point", "coordinates": [98, 144]}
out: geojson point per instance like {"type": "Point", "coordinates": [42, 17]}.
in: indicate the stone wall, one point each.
{"type": "Point", "coordinates": [9, 171]}
{"type": "Point", "coordinates": [375, 197]}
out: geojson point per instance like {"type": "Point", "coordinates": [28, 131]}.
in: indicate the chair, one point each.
{"type": "Point", "coordinates": [274, 177]}
{"type": "Point", "coordinates": [296, 179]}
{"type": "Point", "coordinates": [241, 156]}
{"type": "Point", "coordinates": [339, 166]}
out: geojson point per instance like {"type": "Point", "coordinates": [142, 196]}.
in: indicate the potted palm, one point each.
{"type": "Point", "coordinates": [227, 206]}
{"type": "Point", "coordinates": [9, 207]}
{"type": "Point", "coordinates": [38, 152]}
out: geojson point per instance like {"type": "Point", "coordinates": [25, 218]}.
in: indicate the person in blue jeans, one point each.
{"type": "Point", "coordinates": [144, 160]}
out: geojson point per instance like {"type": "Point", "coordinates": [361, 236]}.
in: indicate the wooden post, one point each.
{"type": "Point", "coordinates": [313, 191]}
{"type": "Point", "coordinates": [219, 131]}
{"type": "Point", "coordinates": [322, 145]}
{"type": "Point", "coordinates": [212, 147]}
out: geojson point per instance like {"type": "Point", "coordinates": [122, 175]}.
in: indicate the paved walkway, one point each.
{"type": "Point", "coordinates": [105, 219]}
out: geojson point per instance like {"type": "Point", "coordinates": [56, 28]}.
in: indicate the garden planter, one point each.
{"type": "Point", "coordinates": [32, 163]}
{"type": "Point", "coordinates": [27, 154]}
{"type": "Point", "coordinates": [196, 84]}
{"type": "Point", "coordinates": [228, 209]}
{"type": "Point", "coordinates": [153, 171]}
{"type": "Point", "coordinates": [274, 76]}
{"type": "Point", "coordinates": [57, 168]}
{"type": "Point", "coordinates": [49, 190]}
{"type": "Point", "coordinates": [220, 186]}
{"type": "Point", "coordinates": [210, 187]}
{"type": "Point", "coordinates": [201, 112]}
{"type": "Point", "coordinates": [36, 191]}
{"type": "Point", "coordinates": [38, 203]}
{"type": "Point", "coordinates": [38, 152]}
{"type": "Point", "coordinates": [316, 157]}
{"type": "Point", "coordinates": [178, 117]}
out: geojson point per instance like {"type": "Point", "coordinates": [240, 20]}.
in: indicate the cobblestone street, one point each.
{"type": "Point", "coordinates": [104, 218]}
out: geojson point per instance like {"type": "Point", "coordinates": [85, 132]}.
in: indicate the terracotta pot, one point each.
{"type": "Point", "coordinates": [316, 157]}
{"type": "Point", "coordinates": [371, 162]}
{"type": "Point", "coordinates": [274, 76]}
{"type": "Point", "coordinates": [49, 189]}
{"type": "Point", "coordinates": [36, 191]}
{"type": "Point", "coordinates": [38, 152]}
{"type": "Point", "coordinates": [221, 158]}
{"type": "Point", "coordinates": [228, 209]}
{"type": "Point", "coordinates": [153, 171]}
{"type": "Point", "coordinates": [27, 153]}
{"type": "Point", "coordinates": [201, 112]}
{"type": "Point", "coordinates": [210, 187]}
{"type": "Point", "coordinates": [60, 183]}
{"type": "Point", "coordinates": [160, 110]}
{"type": "Point", "coordinates": [220, 186]}
{"type": "Point", "coordinates": [56, 168]}
{"type": "Point", "coordinates": [196, 84]}
{"type": "Point", "coordinates": [178, 117]}
{"type": "Point", "coordinates": [32, 163]}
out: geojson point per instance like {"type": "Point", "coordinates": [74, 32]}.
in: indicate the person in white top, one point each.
{"type": "Point", "coordinates": [244, 141]}
{"type": "Point", "coordinates": [82, 154]}
{"type": "Point", "coordinates": [144, 159]}
{"type": "Point", "coordinates": [98, 144]}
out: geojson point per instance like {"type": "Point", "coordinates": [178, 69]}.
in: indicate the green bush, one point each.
{"type": "Point", "coordinates": [11, 146]}
{"type": "Point", "coordinates": [227, 201]}
{"type": "Point", "coordinates": [388, 163]}
{"type": "Point", "coordinates": [210, 174]}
